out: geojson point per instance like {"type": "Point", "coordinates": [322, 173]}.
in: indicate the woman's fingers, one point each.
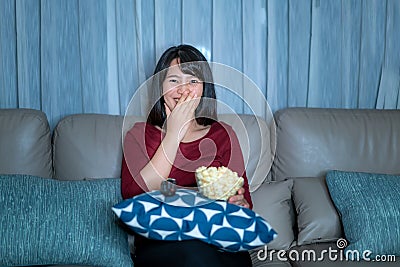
{"type": "Point", "coordinates": [183, 98]}
{"type": "Point", "coordinates": [167, 110]}
{"type": "Point", "coordinates": [187, 103]}
{"type": "Point", "coordinates": [241, 191]}
{"type": "Point", "coordinates": [239, 199]}
{"type": "Point", "coordinates": [183, 113]}
{"type": "Point", "coordinates": [192, 103]}
{"type": "Point", "coordinates": [236, 198]}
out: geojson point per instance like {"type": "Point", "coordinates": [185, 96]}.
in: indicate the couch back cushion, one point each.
{"type": "Point", "coordinates": [90, 145]}
{"type": "Point", "coordinates": [25, 143]}
{"type": "Point", "coordinates": [256, 138]}
{"type": "Point", "coordinates": [311, 141]}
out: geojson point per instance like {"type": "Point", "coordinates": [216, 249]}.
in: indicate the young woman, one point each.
{"type": "Point", "coordinates": [181, 134]}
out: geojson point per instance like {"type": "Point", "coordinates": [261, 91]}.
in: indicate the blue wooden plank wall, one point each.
{"type": "Point", "coordinates": [28, 54]}
{"type": "Point", "coordinates": [325, 59]}
{"type": "Point", "coordinates": [126, 52]}
{"type": "Point", "coordinates": [278, 58]}
{"type": "Point", "coordinates": [61, 68]}
{"type": "Point", "coordinates": [90, 56]}
{"type": "Point", "coordinates": [255, 54]}
{"type": "Point", "coordinates": [8, 55]}
{"type": "Point", "coordinates": [299, 52]}
{"type": "Point", "coordinates": [227, 49]}
{"type": "Point", "coordinates": [350, 45]}
{"type": "Point", "coordinates": [93, 55]}
{"type": "Point", "coordinates": [372, 50]}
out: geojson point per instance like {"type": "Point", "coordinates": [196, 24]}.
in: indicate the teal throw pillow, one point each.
{"type": "Point", "coordinates": [50, 222]}
{"type": "Point", "coordinates": [369, 206]}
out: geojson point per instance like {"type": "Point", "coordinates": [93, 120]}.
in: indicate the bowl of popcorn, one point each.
{"type": "Point", "coordinates": [218, 183]}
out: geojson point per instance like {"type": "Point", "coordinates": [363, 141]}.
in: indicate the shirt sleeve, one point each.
{"type": "Point", "coordinates": [134, 159]}
{"type": "Point", "coordinates": [236, 161]}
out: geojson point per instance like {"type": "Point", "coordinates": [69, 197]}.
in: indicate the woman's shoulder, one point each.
{"type": "Point", "coordinates": [222, 129]}
{"type": "Point", "coordinates": [222, 126]}
{"type": "Point", "coordinates": [140, 128]}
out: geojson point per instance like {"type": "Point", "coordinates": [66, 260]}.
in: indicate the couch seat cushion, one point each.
{"type": "Point", "coordinates": [317, 218]}
{"type": "Point", "coordinates": [273, 200]}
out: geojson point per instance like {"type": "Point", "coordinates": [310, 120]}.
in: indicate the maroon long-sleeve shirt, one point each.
{"type": "Point", "coordinates": [219, 147]}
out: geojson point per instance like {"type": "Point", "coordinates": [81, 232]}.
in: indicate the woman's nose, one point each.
{"type": "Point", "coordinates": [183, 87]}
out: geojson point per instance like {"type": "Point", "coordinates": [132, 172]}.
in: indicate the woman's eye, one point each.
{"type": "Point", "coordinates": [194, 81]}
{"type": "Point", "coordinates": [173, 81]}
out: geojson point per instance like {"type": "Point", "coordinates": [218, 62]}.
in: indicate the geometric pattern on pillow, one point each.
{"type": "Point", "coordinates": [189, 215]}
{"type": "Point", "coordinates": [369, 206]}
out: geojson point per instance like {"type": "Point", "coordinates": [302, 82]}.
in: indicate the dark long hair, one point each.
{"type": "Point", "coordinates": [191, 61]}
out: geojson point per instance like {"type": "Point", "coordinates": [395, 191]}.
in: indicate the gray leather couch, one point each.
{"type": "Point", "coordinates": [309, 142]}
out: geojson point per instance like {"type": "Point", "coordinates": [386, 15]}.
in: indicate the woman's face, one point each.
{"type": "Point", "coordinates": [176, 83]}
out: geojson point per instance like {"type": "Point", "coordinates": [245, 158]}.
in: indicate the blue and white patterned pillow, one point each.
{"type": "Point", "coordinates": [188, 215]}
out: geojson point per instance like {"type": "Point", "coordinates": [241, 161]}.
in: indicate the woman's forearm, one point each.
{"type": "Point", "coordinates": [160, 165]}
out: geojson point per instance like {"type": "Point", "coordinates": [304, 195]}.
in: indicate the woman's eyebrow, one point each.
{"type": "Point", "coordinates": [180, 76]}
{"type": "Point", "coordinates": [173, 76]}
